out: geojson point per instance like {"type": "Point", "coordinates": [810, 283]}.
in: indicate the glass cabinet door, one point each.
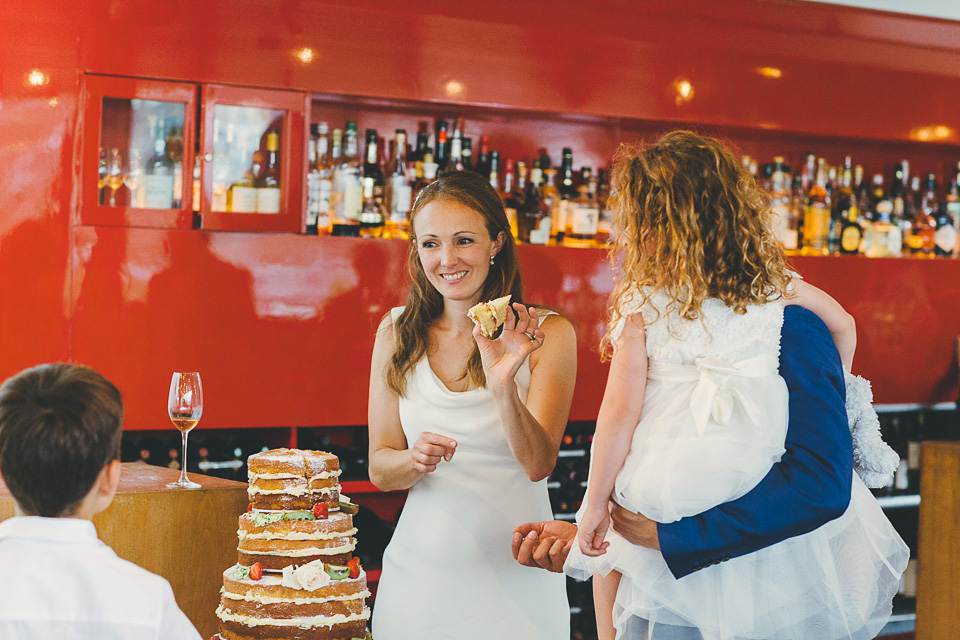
{"type": "Point", "coordinates": [138, 152]}
{"type": "Point", "coordinates": [253, 151]}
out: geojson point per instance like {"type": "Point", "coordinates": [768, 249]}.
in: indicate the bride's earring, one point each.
{"type": "Point", "coordinates": [491, 260]}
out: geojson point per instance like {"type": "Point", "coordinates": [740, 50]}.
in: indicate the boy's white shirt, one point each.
{"type": "Point", "coordinates": [61, 581]}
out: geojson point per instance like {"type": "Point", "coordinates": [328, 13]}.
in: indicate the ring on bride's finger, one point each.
{"type": "Point", "coordinates": [532, 337]}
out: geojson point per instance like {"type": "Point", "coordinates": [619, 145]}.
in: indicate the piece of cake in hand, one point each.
{"type": "Point", "coordinates": [296, 577]}
{"type": "Point", "coordinates": [490, 315]}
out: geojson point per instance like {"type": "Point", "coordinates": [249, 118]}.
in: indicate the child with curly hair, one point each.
{"type": "Point", "coordinates": [695, 414]}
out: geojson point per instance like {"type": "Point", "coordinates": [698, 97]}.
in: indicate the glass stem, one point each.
{"type": "Point", "coordinates": [183, 467]}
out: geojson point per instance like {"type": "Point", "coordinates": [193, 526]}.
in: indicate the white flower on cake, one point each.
{"type": "Point", "coordinates": [308, 577]}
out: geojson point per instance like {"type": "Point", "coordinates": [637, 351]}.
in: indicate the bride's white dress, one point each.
{"type": "Point", "coordinates": [448, 572]}
{"type": "Point", "coordinates": [713, 422]}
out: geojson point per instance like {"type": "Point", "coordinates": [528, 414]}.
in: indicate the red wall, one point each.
{"type": "Point", "coordinates": [280, 324]}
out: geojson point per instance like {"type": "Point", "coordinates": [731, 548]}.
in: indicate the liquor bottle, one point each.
{"type": "Point", "coordinates": [566, 193]}
{"type": "Point", "coordinates": [399, 195]}
{"type": "Point", "coordinates": [371, 214]}
{"type": "Point", "coordinates": [268, 185]}
{"type": "Point", "coordinates": [440, 154]}
{"type": "Point", "coordinates": [483, 156]}
{"type": "Point", "coordinates": [952, 207]}
{"type": "Point", "coordinates": [347, 187]}
{"type": "Point", "coordinates": [466, 154]}
{"type": "Point", "coordinates": [584, 213]}
{"type": "Point", "coordinates": [323, 170]}
{"type": "Point", "coordinates": [455, 162]}
{"type": "Point", "coordinates": [310, 220]}
{"type": "Point", "coordinates": [423, 142]}
{"type": "Point", "coordinates": [878, 236]}
{"type": "Point", "coordinates": [945, 236]}
{"type": "Point", "coordinates": [535, 213]}
{"type": "Point", "coordinates": [512, 195]}
{"type": "Point", "coordinates": [158, 174]}
{"type": "Point", "coordinates": [923, 221]}
{"type": "Point", "coordinates": [604, 205]}
{"type": "Point", "coordinates": [429, 170]}
{"type": "Point", "coordinates": [798, 207]}
{"type": "Point", "coordinates": [242, 194]}
{"type": "Point", "coordinates": [779, 188]}
{"type": "Point", "coordinates": [557, 206]}
{"type": "Point", "coordinates": [846, 211]}
{"type": "Point", "coordinates": [493, 169]}
{"type": "Point", "coordinates": [816, 219]}
{"type": "Point", "coordinates": [174, 150]}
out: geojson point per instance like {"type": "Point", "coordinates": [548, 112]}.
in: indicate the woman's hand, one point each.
{"type": "Point", "coordinates": [429, 449]}
{"type": "Point", "coordinates": [503, 357]}
{"type": "Point", "coordinates": [593, 529]}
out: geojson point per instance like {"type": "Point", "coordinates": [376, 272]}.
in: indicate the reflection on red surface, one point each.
{"type": "Point", "coordinates": [281, 326]}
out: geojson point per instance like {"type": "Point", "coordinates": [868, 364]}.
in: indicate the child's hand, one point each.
{"type": "Point", "coordinates": [592, 531]}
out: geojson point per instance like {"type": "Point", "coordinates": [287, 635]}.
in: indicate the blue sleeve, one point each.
{"type": "Point", "coordinates": [811, 483]}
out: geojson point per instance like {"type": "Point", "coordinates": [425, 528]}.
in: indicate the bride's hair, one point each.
{"type": "Point", "coordinates": [690, 222]}
{"type": "Point", "coordinates": [424, 302]}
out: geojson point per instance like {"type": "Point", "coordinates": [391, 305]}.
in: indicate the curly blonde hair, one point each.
{"type": "Point", "coordinates": [693, 224]}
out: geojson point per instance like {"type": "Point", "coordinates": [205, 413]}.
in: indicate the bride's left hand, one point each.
{"type": "Point", "coordinates": [503, 357]}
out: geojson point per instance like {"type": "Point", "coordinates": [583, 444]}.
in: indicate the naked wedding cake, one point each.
{"type": "Point", "coordinates": [296, 577]}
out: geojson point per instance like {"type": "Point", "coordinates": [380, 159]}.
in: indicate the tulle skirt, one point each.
{"type": "Point", "coordinates": [835, 582]}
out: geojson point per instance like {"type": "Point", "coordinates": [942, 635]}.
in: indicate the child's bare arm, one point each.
{"type": "Point", "coordinates": [619, 411]}
{"type": "Point", "coordinates": [842, 326]}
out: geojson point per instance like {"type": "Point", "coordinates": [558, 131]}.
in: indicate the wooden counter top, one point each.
{"type": "Point", "coordinates": [187, 536]}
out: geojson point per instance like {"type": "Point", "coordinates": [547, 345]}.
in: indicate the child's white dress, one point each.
{"type": "Point", "coordinates": [714, 421]}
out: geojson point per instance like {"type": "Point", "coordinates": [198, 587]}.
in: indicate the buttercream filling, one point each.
{"type": "Point", "coordinates": [302, 623]}
{"type": "Point", "coordinates": [281, 476]}
{"type": "Point", "coordinates": [296, 535]}
{"type": "Point", "coordinates": [251, 597]}
{"type": "Point", "coordinates": [307, 551]}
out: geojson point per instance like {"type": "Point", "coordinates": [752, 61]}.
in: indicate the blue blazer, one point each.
{"type": "Point", "coordinates": [808, 487]}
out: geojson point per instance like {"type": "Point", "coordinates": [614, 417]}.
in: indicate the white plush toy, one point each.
{"type": "Point", "coordinates": [873, 459]}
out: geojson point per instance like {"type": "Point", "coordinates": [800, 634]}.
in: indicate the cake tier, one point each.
{"type": "Point", "coordinates": [298, 462]}
{"type": "Point", "coordinates": [262, 609]}
{"type": "Point", "coordinates": [294, 542]}
{"type": "Point", "coordinates": [293, 479]}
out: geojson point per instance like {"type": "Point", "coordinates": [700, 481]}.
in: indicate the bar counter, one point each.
{"type": "Point", "coordinates": [187, 536]}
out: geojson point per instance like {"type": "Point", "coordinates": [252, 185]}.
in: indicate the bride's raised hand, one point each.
{"type": "Point", "coordinates": [503, 357]}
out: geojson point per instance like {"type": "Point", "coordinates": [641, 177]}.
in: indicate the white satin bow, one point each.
{"type": "Point", "coordinates": [719, 386]}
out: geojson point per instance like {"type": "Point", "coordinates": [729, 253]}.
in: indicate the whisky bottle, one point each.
{"type": "Point", "coordinates": [347, 186]}
{"type": "Point", "coordinates": [535, 214]}
{"type": "Point", "coordinates": [556, 206]}
{"type": "Point", "coordinates": [428, 173]}
{"type": "Point", "coordinates": [323, 169]}
{"type": "Point", "coordinates": [846, 211]}
{"type": "Point", "coordinates": [816, 219]}
{"type": "Point", "coordinates": [877, 243]}
{"type": "Point", "coordinates": [512, 195]}
{"type": "Point", "coordinates": [371, 214]}
{"type": "Point", "coordinates": [423, 142]}
{"type": "Point", "coordinates": [399, 195]}
{"type": "Point", "coordinates": [242, 194]}
{"type": "Point", "coordinates": [158, 176]}
{"type": "Point", "coordinates": [268, 185]}
{"type": "Point", "coordinates": [584, 216]}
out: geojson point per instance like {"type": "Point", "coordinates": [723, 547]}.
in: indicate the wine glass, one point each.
{"type": "Point", "coordinates": [116, 162]}
{"type": "Point", "coordinates": [185, 406]}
